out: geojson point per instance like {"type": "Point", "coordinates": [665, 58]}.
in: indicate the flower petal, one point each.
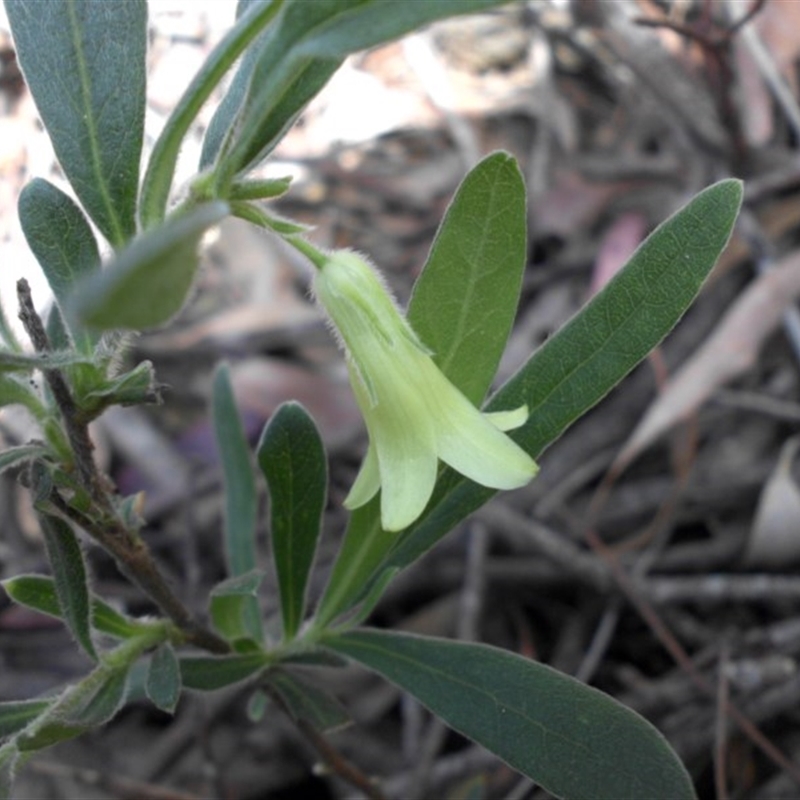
{"type": "Point", "coordinates": [367, 482]}
{"type": "Point", "coordinates": [408, 467]}
{"type": "Point", "coordinates": [508, 420]}
{"type": "Point", "coordinates": [401, 436]}
{"type": "Point", "coordinates": [472, 445]}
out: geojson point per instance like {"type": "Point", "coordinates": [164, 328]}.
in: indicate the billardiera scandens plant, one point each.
{"type": "Point", "coordinates": [414, 415]}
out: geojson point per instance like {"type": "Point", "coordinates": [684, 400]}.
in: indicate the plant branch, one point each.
{"type": "Point", "coordinates": [137, 564]}
{"type": "Point", "coordinates": [332, 758]}
{"type": "Point", "coordinates": [107, 529]}
{"type": "Point", "coordinates": [77, 433]}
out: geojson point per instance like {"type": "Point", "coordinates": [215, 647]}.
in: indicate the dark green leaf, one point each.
{"type": "Point", "coordinates": [70, 578]}
{"type": "Point", "coordinates": [232, 603]}
{"type": "Point", "coordinates": [571, 739]}
{"type": "Point", "coordinates": [207, 673]}
{"type": "Point", "coordinates": [15, 715]}
{"type": "Point", "coordinates": [164, 679]}
{"type": "Point", "coordinates": [308, 702]}
{"type": "Point", "coordinates": [292, 457]}
{"type": "Point", "coordinates": [62, 241]}
{"type": "Point", "coordinates": [85, 65]}
{"type": "Point", "coordinates": [39, 593]}
{"type": "Point", "coordinates": [161, 169]}
{"type": "Point", "coordinates": [17, 362]}
{"type": "Point", "coordinates": [148, 282]}
{"type": "Point", "coordinates": [465, 300]}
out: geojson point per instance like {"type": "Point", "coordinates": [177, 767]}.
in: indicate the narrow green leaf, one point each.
{"type": "Point", "coordinates": [238, 478]}
{"type": "Point", "coordinates": [62, 241]}
{"type": "Point", "coordinates": [9, 755]}
{"type": "Point", "coordinates": [161, 168]}
{"type": "Point", "coordinates": [104, 702]}
{"type": "Point", "coordinates": [164, 679]}
{"type": "Point", "coordinates": [255, 189]}
{"type": "Point", "coordinates": [223, 117]}
{"type": "Point", "coordinates": [260, 133]}
{"type": "Point", "coordinates": [251, 212]}
{"type": "Point", "coordinates": [297, 55]}
{"type": "Point", "coordinates": [109, 621]}
{"type": "Point", "coordinates": [357, 26]}
{"type": "Point", "coordinates": [208, 673]}
{"type": "Point", "coordinates": [308, 702]}
{"type": "Point", "coordinates": [14, 456]}
{"type": "Point", "coordinates": [85, 65]}
{"type": "Point", "coordinates": [571, 739]}
{"type": "Point", "coordinates": [15, 715]}
{"type": "Point", "coordinates": [231, 607]}
{"type": "Point", "coordinates": [148, 282]}
{"type": "Point", "coordinates": [70, 578]}
{"type": "Point", "coordinates": [240, 493]}
{"type": "Point", "coordinates": [292, 457]}
{"type": "Point", "coordinates": [465, 300]}
{"type": "Point", "coordinates": [365, 547]}
{"type": "Point", "coordinates": [89, 705]}
{"type": "Point", "coordinates": [39, 593]}
{"type": "Point", "coordinates": [17, 362]}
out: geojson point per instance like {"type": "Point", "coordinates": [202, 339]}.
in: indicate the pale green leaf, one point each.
{"type": "Point", "coordinates": [148, 282]}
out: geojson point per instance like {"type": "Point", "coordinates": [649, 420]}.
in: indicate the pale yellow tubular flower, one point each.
{"type": "Point", "coordinates": [414, 415]}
